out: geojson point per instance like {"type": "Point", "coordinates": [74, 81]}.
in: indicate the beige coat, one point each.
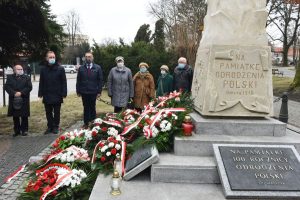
{"type": "Point", "coordinates": [144, 89]}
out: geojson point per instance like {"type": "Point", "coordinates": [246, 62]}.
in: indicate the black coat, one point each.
{"type": "Point", "coordinates": [18, 84]}
{"type": "Point", "coordinates": [183, 79]}
{"type": "Point", "coordinates": [53, 84]}
{"type": "Point", "coordinates": [89, 84]}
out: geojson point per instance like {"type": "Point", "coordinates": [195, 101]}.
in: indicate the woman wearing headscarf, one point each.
{"type": "Point", "coordinates": [144, 87]}
{"type": "Point", "coordinates": [120, 85]}
{"type": "Point", "coordinates": [164, 82]}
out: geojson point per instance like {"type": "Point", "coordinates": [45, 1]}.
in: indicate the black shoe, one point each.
{"type": "Point", "coordinates": [24, 133]}
{"type": "Point", "coordinates": [16, 134]}
{"type": "Point", "coordinates": [55, 131]}
{"type": "Point", "coordinates": [49, 130]}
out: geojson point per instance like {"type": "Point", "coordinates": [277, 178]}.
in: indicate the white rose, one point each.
{"type": "Point", "coordinates": [108, 153]}
{"type": "Point", "coordinates": [111, 144]}
{"type": "Point", "coordinates": [118, 147]}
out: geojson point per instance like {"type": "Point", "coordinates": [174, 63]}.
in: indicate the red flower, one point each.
{"type": "Point", "coordinates": [169, 114]}
{"type": "Point", "coordinates": [101, 145]}
{"type": "Point", "coordinates": [114, 151]}
{"type": "Point", "coordinates": [62, 137]}
{"type": "Point", "coordinates": [116, 141]}
{"type": "Point", "coordinates": [46, 189]}
{"type": "Point", "coordinates": [54, 193]}
{"type": "Point", "coordinates": [52, 181]}
{"type": "Point", "coordinates": [94, 133]}
{"type": "Point", "coordinates": [102, 159]}
{"type": "Point", "coordinates": [148, 121]}
{"type": "Point", "coordinates": [111, 139]}
{"type": "Point", "coordinates": [36, 187]}
{"type": "Point", "coordinates": [157, 123]}
{"type": "Point", "coordinates": [104, 129]}
{"type": "Point", "coordinates": [55, 145]}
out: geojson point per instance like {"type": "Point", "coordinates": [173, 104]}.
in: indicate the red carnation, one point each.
{"type": "Point", "coordinates": [157, 123]}
{"type": "Point", "coordinates": [111, 139]}
{"type": "Point", "coordinates": [104, 129]}
{"type": "Point", "coordinates": [114, 151]}
{"type": "Point", "coordinates": [54, 193]}
{"type": "Point", "coordinates": [94, 133]}
{"type": "Point", "coordinates": [102, 159]}
{"type": "Point", "coordinates": [101, 145]}
{"type": "Point", "coordinates": [62, 137]}
{"type": "Point", "coordinates": [55, 145]}
{"type": "Point", "coordinates": [169, 114]}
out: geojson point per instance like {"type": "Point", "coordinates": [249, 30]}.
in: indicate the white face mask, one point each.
{"type": "Point", "coordinates": [163, 72]}
{"type": "Point", "coordinates": [120, 64]}
{"type": "Point", "coordinates": [19, 72]}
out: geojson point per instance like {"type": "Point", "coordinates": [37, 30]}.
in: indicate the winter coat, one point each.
{"type": "Point", "coordinates": [18, 84]}
{"type": "Point", "coordinates": [144, 89]}
{"type": "Point", "coordinates": [164, 85]}
{"type": "Point", "coordinates": [53, 84]}
{"type": "Point", "coordinates": [89, 84]}
{"type": "Point", "coordinates": [120, 86]}
{"type": "Point", "coordinates": [183, 78]}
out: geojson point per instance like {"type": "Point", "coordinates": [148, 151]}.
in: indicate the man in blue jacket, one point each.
{"type": "Point", "coordinates": [89, 87]}
{"type": "Point", "coordinates": [52, 88]}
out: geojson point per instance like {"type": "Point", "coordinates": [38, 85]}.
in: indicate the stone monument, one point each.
{"type": "Point", "coordinates": [233, 67]}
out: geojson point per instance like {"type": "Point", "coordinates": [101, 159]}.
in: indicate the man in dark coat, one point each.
{"type": "Point", "coordinates": [183, 76]}
{"type": "Point", "coordinates": [89, 87]}
{"type": "Point", "coordinates": [18, 86]}
{"type": "Point", "coordinates": [52, 88]}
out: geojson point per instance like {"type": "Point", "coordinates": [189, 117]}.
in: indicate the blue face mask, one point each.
{"type": "Point", "coordinates": [143, 69]}
{"type": "Point", "coordinates": [51, 61]}
{"type": "Point", "coordinates": [181, 65]}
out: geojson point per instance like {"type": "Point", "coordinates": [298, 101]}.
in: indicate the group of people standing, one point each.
{"type": "Point", "coordinates": [122, 88]}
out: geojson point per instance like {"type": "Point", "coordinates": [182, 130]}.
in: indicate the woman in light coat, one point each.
{"type": "Point", "coordinates": [120, 85]}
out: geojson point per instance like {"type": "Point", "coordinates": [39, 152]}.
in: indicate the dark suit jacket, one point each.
{"type": "Point", "coordinates": [89, 83]}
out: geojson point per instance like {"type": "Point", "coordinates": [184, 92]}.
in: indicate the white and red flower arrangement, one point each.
{"type": "Point", "coordinates": [105, 141]}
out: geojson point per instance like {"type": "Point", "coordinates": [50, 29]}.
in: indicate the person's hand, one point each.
{"type": "Point", "coordinates": [99, 95]}
{"type": "Point", "coordinates": [78, 94]}
{"type": "Point", "coordinates": [18, 94]}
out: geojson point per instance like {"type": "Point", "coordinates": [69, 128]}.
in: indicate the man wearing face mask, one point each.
{"type": "Point", "coordinates": [164, 82]}
{"type": "Point", "coordinates": [144, 87]}
{"type": "Point", "coordinates": [18, 86]}
{"type": "Point", "coordinates": [52, 88]}
{"type": "Point", "coordinates": [120, 85]}
{"type": "Point", "coordinates": [89, 87]}
{"type": "Point", "coordinates": [183, 76]}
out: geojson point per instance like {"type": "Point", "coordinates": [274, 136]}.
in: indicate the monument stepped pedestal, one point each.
{"type": "Point", "coordinates": [193, 158]}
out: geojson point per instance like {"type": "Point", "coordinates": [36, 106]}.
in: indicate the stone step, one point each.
{"type": "Point", "coordinates": [238, 126]}
{"type": "Point", "coordinates": [184, 169]}
{"type": "Point", "coordinates": [201, 145]}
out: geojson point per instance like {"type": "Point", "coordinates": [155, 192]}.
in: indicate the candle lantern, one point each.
{"type": "Point", "coordinates": [187, 126]}
{"type": "Point", "coordinates": [115, 184]}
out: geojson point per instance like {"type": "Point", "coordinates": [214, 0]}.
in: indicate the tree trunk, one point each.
{"type": "Point", "coordinates": [285, 55]}
{"type": "Point", "coordinates": [296, 82]}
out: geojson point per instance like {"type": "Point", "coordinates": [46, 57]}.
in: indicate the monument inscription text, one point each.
{"type": "Point", "coordinates": [261, 168]}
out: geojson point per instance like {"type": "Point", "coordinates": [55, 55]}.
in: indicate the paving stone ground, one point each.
{"type": "Point", "coordinates": [15, 152]}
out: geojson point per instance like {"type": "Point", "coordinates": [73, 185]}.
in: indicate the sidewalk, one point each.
{"type": "Point", "coordinates": [15, 152]}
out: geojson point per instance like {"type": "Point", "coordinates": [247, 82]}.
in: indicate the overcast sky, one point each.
{"type": "Point", "coordinates": [107, 19]}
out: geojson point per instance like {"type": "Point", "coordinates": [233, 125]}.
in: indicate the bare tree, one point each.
{"type": "Point", "coordinates": [183, 19]}
{"type": "Point", "coordinates": [284, 17]}
{"type": "Point", "coordinates": [72, 25]}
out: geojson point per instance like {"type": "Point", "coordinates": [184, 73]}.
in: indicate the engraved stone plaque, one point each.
{"type": "Point", "coordinates": [233, 81]}
{"type": "Point", "coordinates": [258, 170]}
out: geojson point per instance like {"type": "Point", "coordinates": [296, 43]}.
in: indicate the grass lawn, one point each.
{"type": "Point", "coordinates": [71, 112]}
{"type": "Point", "coordinates": [281, 84]}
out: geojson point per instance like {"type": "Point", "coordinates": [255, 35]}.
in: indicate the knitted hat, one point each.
{"type": "Point", "coordinates": [119, 58]}
{"type": "Point", "coordinates": [143, 64]}
{"type": "Point", "coordinates": [165, 67]}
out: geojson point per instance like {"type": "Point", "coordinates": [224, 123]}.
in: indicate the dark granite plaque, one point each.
{"type": "Point", "coordinates": [138, 157]}
{"type": "Point", "coordinates": [261, 168]}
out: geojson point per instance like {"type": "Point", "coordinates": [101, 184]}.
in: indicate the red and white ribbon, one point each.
{"type": "Point", "coordinates": [94, 152]}
{"type": "Point", "coordinates": [15, 173]}
{"type": "Point", "coordinates": [158, 115]}
{"type": "Point", "coordinates": [113, 123]}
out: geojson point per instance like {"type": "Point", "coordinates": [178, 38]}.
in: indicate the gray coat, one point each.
{"type": "Point", "coordinates": [120, 86]}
